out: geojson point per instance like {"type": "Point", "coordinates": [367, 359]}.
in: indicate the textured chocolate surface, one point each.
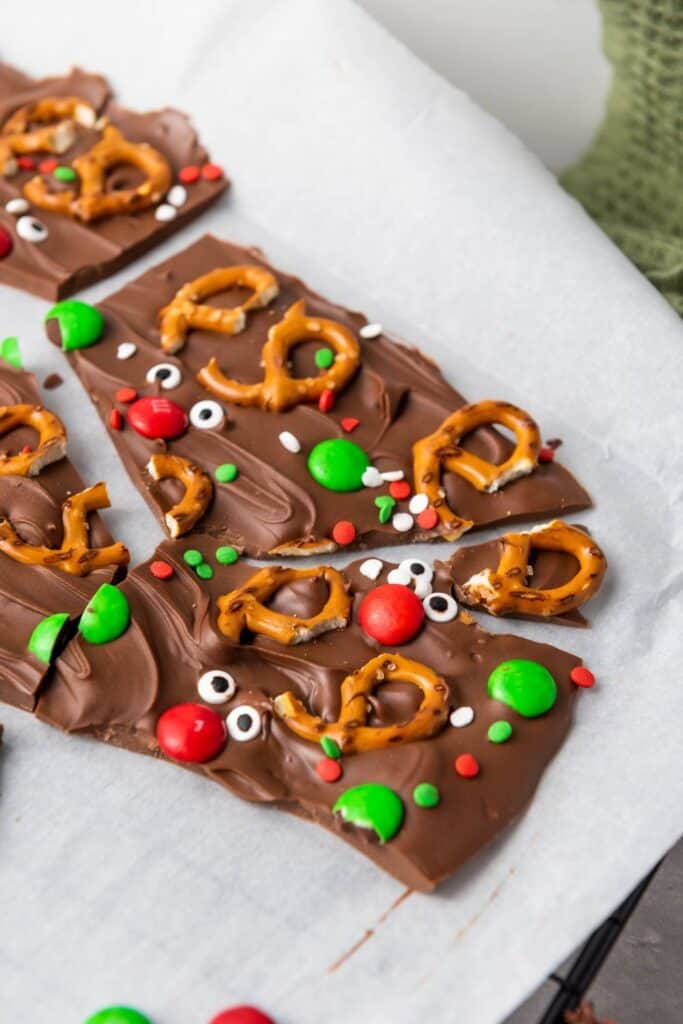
{"type": "Point", "coordinates": [28, 593]}
{"type": "Point", "coordinates": [76, 254]}
{"type": "Point", "coordinates": [397, 394]}
{"type": "Point", "coordinates": [117, 692]}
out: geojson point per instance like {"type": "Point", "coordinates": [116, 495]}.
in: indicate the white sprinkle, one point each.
{"type": "Point", "coordinates": [372, 477]}
{"type": "Point", "coordinates": [418, 503]}
{"type": "Point", "coordinates": [370, 331]}
{"type": "Point", "coordinates": [165, 212]}
{"type": "Point", "coordinates": [290, 442]}
{"type": "Point", "coordinates": [371, 568]}
{"type": "Point", "coordinates": [17, 206]}
{"type": "Point", "coordinates": [462, 716]}
{"type": "Point", "coordinates": [177, 196]}
{"type": "Point", "coordinates": [126, 349]}
{"type": "Point", "coordinates": [402, 522]}
{"type": "Point", "coordinates": [393, 474]}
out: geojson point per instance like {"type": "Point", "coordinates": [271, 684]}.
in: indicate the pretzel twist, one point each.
{"type": "Point", "coordinates": [503, 591]}
{"type": "Point", "coordinates": [92, 202]}
{"type": "Point", "coordinates": [58, 115]}
{"type": "Point", "coordinates": [350, 731]}
{"type": "Point", "coordinates": [243, 608]}
{"type": "Point", "coordinates": [183, 312]}
{"type": "Point", "coordinates": [51, 445]}
{"type": "Point", "coordinates": [198, 490]}
{"type": "Point", "coordinates": [74, 556]}
{"type": "Point", "coordinates": [279, 391]}
{"type": "Point", "coordinates": [442, 448]}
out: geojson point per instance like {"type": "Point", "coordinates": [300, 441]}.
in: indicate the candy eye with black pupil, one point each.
{"type": "Point", "coordinates": [413, 572]}
{"type": "Point", "coordinates": [30, 229]}
{"type": "Point", "coordinates": [440, 607]}
{"type": "Point", "coordinates": [167, 375]}
{"type": "Point", "coordinates": [244, 723]}
{"type": "Point", "coordinates": [216, 687]}
{"type": "Point", "coordinates": [206, 415]}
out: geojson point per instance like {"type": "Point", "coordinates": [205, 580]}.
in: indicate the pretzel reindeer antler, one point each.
{"type": "Point", "coordinates": [57, 117]}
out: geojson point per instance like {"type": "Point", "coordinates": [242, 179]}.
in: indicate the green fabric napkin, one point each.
{"type": "Point", "coordinates": [631, 180]}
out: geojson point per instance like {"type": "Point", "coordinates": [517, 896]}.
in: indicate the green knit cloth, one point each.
{"type": "Point", "coordinates": [631, 180]}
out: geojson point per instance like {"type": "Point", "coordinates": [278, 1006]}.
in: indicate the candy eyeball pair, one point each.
{"type": "Point", "coordinates": [438, 606]}
{"type": "Point", "coordinates": [218, 687]}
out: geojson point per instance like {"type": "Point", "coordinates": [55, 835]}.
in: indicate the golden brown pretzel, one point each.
{"type": "Point", "coordinates": [74, 556]}
{"type": "Point", "coordinates": [443, 448]}
{"type": "Point", "coordinates": [184, 312]}
{"type": "Point", "coordinates": [278, 391]}
{"type": "Point", "coordinates": [198, 490]}
{"type": "Point", "coordinates": [503, 591]}
{"type": "Point", "coordinates": [92, 202]}
{"type": "Point", "coordinates": [51, 439]}
{"type": "Point", "coordinates": [350, 731]}
{"type": "Point", "coordinates": [243, 608]}
{"type": "Point", "coordinates": [58, 116]}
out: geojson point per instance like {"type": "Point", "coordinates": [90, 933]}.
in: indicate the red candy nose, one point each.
{"type": "Point", "coordinates": [191, 732]}
{"type": "Point", "coordinates": [391, 614]}
{"type": "Point", "coordinates": [6, 243]}
{"type": "Point", "coordinates": [242, 1015]}
{"type": "Point", "coordinates": [157, 417]}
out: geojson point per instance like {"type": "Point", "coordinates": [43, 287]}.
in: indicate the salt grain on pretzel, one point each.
{"type": "Point", "coordinates": [51, 445]}
{"type": "Point", "coordinates": [182, 516]}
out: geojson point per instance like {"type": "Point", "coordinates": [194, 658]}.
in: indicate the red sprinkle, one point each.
{"type": "Point", "coordinates": [26, 163]}
{"type": "Point", "coordinates": [349, 424]}
{"type": "Point", "coordinates": [212, 172]}
{"type": "Point", "coordinates": [343, 532]}
{"type": "Point", "coordinates": [582, 676]}
{"type": "Point", "coordinates": [467, 766]}
{"type": "Point", "coordinates": [188, 175]}
{"type": "Point", "coordinates": [191, 732]}
{"type": "Point", "coordinates": [326, 400]}
{"type": "Point", "coordinates": [329, 770]}
{"type": "Point", "coordinates": [399, 489]}
{"type": "Point", "coordinates": [428, 519]}
{"type": "Point", "coordinates": [242, 1015]}
{"type": "Point", "coordinates": [115, 420]}
{"type": "Point", "coordinates": [48, 165]}
{"type": "Point", "coordinates": [6, 243]}
{"type": "Point", "coordinates": [126, 395]}
{"type": "Point", "coordinates": [162, 570]}
{"type": "Point", "coordinates": [546, 454]}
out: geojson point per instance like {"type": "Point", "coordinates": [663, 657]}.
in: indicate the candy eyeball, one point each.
{"type": "Point", "coordinates": [165, 374]}
{"type": "Point", "coordinates": [206, 415]}
{"type": "Point", "coordinates": [30, 229]}
{"type": "Point", "coordinates": [413, 572]}
{"type": "Point", "coordinates": [216, 686]}
{"type": "Point", "coordinates": [244, 723]}
{"type": "Point", "coordinates": [440, 607]}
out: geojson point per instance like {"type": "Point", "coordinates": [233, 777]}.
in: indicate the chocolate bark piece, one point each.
{"type": "Point", "coordinates": [70, 253]}
{"type": "Point", "coordinates": [31, 593]}
{"type": "Point", "coordinates": [119, 691]}
{"type": "Point", "coordinates": [274, 505]}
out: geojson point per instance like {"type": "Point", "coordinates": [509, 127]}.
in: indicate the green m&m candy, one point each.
{"type": "Point", "coordinates": [106, 616]}
{"type": "Point", "coordinates": [118, 1015]}
{"type": "Point", "coordinates": [9, 351]}
{"type": "Point", "coordinates": [525, 686]}
{"type": "Point", "coordinates": [373, 806]}
{"type": "Point", "coordinates": [80, 324]}
{"type": "Point", "coordinates": [45, 636]}
{"type": "Point", "coordinates": [338, 464]}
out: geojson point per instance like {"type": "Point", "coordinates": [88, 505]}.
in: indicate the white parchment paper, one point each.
{"type": "Point", "coordinates": [122, 880]}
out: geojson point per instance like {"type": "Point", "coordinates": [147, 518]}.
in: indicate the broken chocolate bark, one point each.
{"type": "Point", "coordinates": [87, 186]}
{"type": "Point", "coordinates": [298, 427]}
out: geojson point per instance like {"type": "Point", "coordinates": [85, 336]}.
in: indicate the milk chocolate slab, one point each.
{"type": "Point", "coordinates": [118, 692]}
{"type": "Point", "coordinates": [32, 505]}
{"type": "Point", "coordinates": [275, 506]}
{"type": "Point", "coordinates": [64, 253]}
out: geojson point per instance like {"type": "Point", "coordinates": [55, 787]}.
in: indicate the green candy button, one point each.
{"type": "Point", "coordinates": [226, 473]}
{"type": "Point", "coordinates": [118, 1015]}
{"type": "Point", "coordinates": [373, 806]}
{"type": "Point", "coordinates": [64, 173]}
{"type": "Point", "coordinates": [338, 464]}
{"type": "Point", "coordinates": [46, 634]}
{"type": "Point", "coordinates": [226, 555]}
{"type": "Point", "coordinates": [9, 351]}
{"type": "Point", "coordinates": [426, 795]}
{"type": "Point", "coordinates": [324, 357]}
{"type": "Point", "coordinates": [525, 686]}
{"type": "Point", "coordinates": [193, 557]}
{"type": "Point", "coordinates": [499, 732]}
{"type": "Point", "coordinates": [204, 571]}
{"type": "Point", "coordinates": [80, 325]}
{"type": "Point", "coordinates": [106, 616]}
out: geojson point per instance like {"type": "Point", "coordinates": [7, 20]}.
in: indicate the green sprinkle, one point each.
{"type": "Point", "coordinates": [226, 473]}
{"type": "Point", "coordinates": [106, 616]}
{"type": "Point", "coordinates": [9, 351]}
{"type": "Point", "coordinates": [385, 503]}
{"type": "Point", "coordinates": [45, 636]}
{"type": "Point", "coordinates": [193, 557]}
{"type": "Point", "coordinates": [330, 748]}
{"type": "Point", "coordinates": [227, 555]}
{"type": "Point", "coordinates": [426, 795]}
{"type": "Point", "coordinates": [499, 732]}
{"type": "Point", "coordinates": [324, 358]}
{"type": "Point", "coordinates": [64, 174]}
{"type": "Point", "coordinates": [204, 571]}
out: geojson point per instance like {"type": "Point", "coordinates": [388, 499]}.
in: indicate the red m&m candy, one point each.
{"type": "Point", "coordinates": [191, 733]}
{"type": "Point", "coordinates": [6, 243]}
{"type": "Point", "coordinates": [157, 417]}
{"type": "Point", "coordinates": [242, 1015]}
{"type": "Point", "coordinates": [391, 614]}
